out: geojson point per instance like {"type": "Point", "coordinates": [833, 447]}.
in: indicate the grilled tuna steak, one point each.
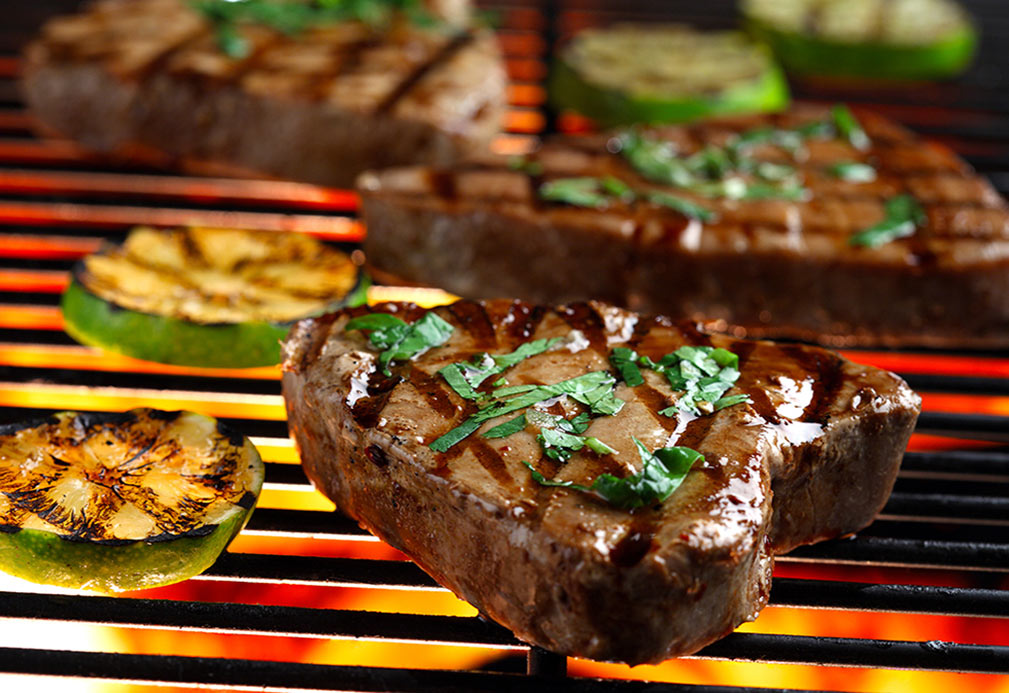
{"type": "Point", "coordinates": [812, 454]}
{"type": "Point", "coordinates": [150, 78]}
{"type": "Point", "coordinates": [804, 225]}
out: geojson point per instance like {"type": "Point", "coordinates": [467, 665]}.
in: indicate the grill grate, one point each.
{"type": "Point", "coordinates": [938, 557]}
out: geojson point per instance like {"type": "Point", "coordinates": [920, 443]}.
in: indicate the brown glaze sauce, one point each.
{"type": "Point", "coordinates": [432, 390]}
{"type": "Point", "coordinates": [473, 318]}
{"type": "Point", "coordinates": [523, 319]}
{"type": "Point", "coordinates": [366, 411]}
{"type": "Point", "coordinates": [583, 317]}
{"type": "Point", "coordinates": [634, 545]}
{"type": "Point", "coordinates": [828, 378]}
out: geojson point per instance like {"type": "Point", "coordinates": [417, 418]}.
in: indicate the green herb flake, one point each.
{"type": "Point", "coordinates": [292, 18]}
{"type": "Point", "coordinates": [507, 428]}
{"type": "Point", "coordinates": [701, 374]}
{"type": "Point", "coordinates": [852, 171]}
{"type": "Point", "coordinates": [595, 390]}
{"type": "Point", "coordinates": [399, 340]}
{"type": "Point", "coordinates": [662, 472]}
{"type": "Point", "coordinates": [903, 216]}
{"type": "Point", "coordinates": [849, 127]}
{"type": "Point", "coordinates": [580, 192]}
{"type": "Point", "coordinates": [465, 377]}
{"type": "Point", "coordinates": [521, 163]}
{"type": "Point", "coordinates": [623, 359]}
{"type": "Point", "coordinates": [689, 209]}
{"type": "Point", "coordinates": [617, 188]}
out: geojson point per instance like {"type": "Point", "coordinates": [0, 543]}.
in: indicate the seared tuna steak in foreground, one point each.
{"type": "Point", "coordinates": [813, 224]}
{"type": "Point", "coordinates": [691, 459]}
{"type": "Point", "coordinates": [320, 105]}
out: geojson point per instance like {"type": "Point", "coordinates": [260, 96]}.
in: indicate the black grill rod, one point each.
{"type": "Point", "coordinates": [332, 623]}
{"type": "Point", "coordinates": [269, 676]}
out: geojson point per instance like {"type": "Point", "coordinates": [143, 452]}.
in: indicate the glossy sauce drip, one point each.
{"type": "Point", "coordinates": [366, 410]}
{"type": "Point", "coordinates": [827, 381]}
{"type": "Point", "coordinates": [582, 317]}
{"type": "Point", "coordinates": [634, 545]}
{"type": "Point", "coordinates": [523, 319]}
{"type": "Point", "coordinates": [762, 404]}
{"type": "Point", "coordinates": [472, 317]}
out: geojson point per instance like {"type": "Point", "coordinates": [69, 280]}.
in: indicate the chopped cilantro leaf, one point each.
{"type": "Point", "coordinates": [507, 428]}
{"type": "Point", "coordinates": [623, 359]}
{"type": "Point", "coordinates": [594, 389]}
{"type": "Point", "coordinates": [853, 171]}
{"type": "Point", "coordinates": [580, 192]}
{"type": "Point", "coordinates": [399, 340]}
{"type": "Point", "coordinates": [903, 216]}
{"type": "Point", "coordinates": [689, 209]}
{"type": "Point", "coordinates": [849, 128]}
{"type": "Point", "coordinates": [465, 377]}
{"type": "Point", "coordinates": [661, 474]}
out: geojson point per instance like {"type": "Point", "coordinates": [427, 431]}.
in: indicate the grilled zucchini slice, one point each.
{"type": "Point", "coordinates": [205, 297]}
{"type": "Point", "coordinates": [896, 40]}
{"type": "Point", "coordinates": [632, 73]}
{"type": "Point", "coordinates": [113, 502]}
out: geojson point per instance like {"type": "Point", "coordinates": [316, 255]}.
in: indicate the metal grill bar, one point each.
{"type": "Point", "coordinates": [948, 512]}
{"type": "Point", "coordinates": [284, 676]}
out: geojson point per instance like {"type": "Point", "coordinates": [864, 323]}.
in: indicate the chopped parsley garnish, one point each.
{"type": "Point", "coordinates": [701, 374]}
{"type": "Point", "coordinates": [682, 205]}
{"type": "Point", "coordinates": [465, 377]}
{"type": "Point", "coordinates": [849, 127]}
{"type": "Point", "coordinates": [601, 192]}
{"type": "Point", "coordinates": [398, 339]}
{"type": "Point", "coordinates": [293, 17]}
{"type": "Point", "coordinates": [560, 438]}
{"type": "Point", "coordinates": [594, 390]}
{"type": "Point", "coordinates": [903, 216]}
{"type": "Point", "coordinates": [508, 428]}
{"type": "Point", "coordinates": [852, 171]}
{"type": "Point", "coordinates": [580, 192]}
{"type": "Point", "coordinates": [661, 474]}
{"type": "Point", "coordinates": [716, 171]}
{"type": "Point", "coordinates": [521, 163]}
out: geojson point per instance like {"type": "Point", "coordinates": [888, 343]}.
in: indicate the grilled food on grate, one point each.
{"type": "Point", "coordinates": [113, 502]}
{"type": "Point", "coordinates": [664, 73]}
{"type": "Point", "coordinates": [205, 297]}
{"type": "Point", "coordinates": [814, 224]}
{"type": "Point", "coordinates": [319, 104]}
{"type": "Point", "coordinates": [868, 40]}
{"type": "Point", "coordinates": [444, 432]}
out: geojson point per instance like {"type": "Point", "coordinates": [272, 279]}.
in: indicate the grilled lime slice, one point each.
{"type": "Point", "coordinates": [205, 297]}
{"type": "Point", "coordinates": [633, 73]}
{"type": "Point", "coordinates": [867, 39]}
{"type": "Point", "coordinates": [113, 502]}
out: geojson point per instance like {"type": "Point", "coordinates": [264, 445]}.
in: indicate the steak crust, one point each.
{"type": "Point", "coordinates": [147, 79]}
{"type": "Point", "coordinates": [812, 456]}
{"type": "Point", "coordinates": [763, 267]}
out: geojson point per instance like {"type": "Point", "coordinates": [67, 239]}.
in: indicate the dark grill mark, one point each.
{"type": "Point", "coordinates": [696, 431]}
{"type": "Point", "coordinates": [743, 349]}
{"type": "Point", "coordinates": [762, 404]}
{"type": "Point", "coordinates": [583, 317]}
{"type": "Point", "coordinates": [693, 334]}
{"type": "Point", "coordinates": [655, 400]}
{"type": "Point", "coordinates": [524, 319]}
{"type": "Point", "coordinates": [472, 317]}
{"type": "Point", "coordinates": [441, 57]}
{"type": "Point", "coordinates": [490, 460]}
{"type": "Point", "coordinates": [366, 410]}
{"type": "Point", "coordinates": [432, 390]}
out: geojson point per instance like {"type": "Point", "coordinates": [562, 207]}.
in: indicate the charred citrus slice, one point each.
{"type": "Point", "coordinates": [632, 73]}
{"type": "Point", "coordinates": [205, 297]}
{"type": "Point", "coordinates": [113, 502]}
{"type": "Point", "coordinates": [895, 40]}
